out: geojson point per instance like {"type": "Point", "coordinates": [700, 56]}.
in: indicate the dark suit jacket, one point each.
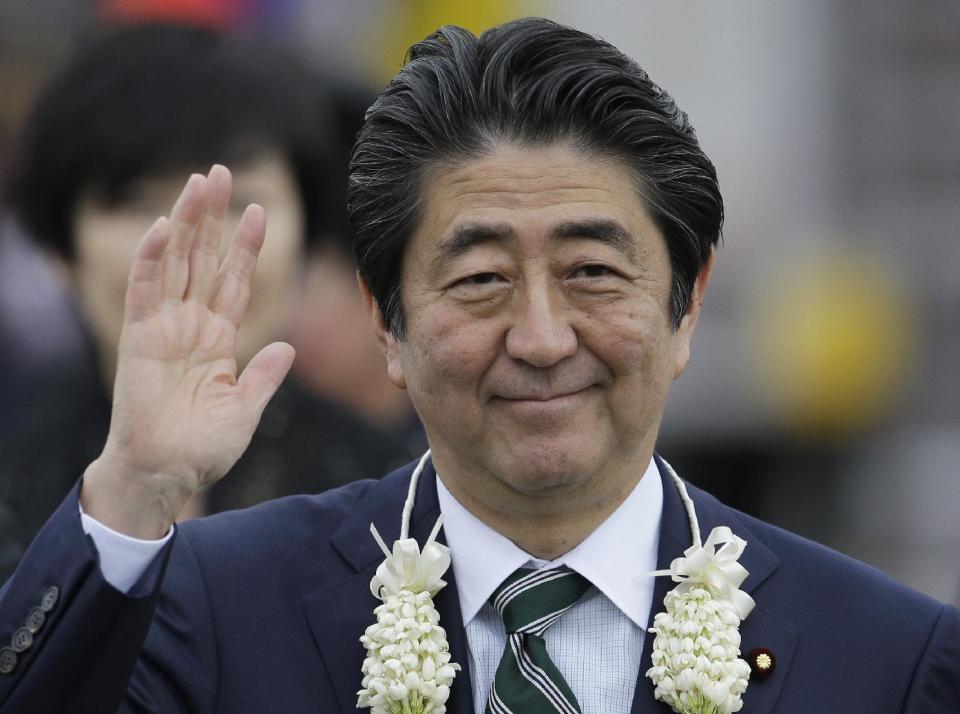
{"type": "Point", "coordinates": [261, 611]}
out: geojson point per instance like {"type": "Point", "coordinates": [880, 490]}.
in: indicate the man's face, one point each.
{"type": "Point", "coordinates": [539, 350]}
{"type": "Point", "coordinates": [107, 234]}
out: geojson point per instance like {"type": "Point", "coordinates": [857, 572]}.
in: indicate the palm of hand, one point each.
{"type": "Point", "coordinates": [180, 414]}
{"type": "Point", "coordinates": [182, 409]}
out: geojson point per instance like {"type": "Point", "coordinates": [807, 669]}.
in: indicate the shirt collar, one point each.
{"type": "Point", "coordinates": [612, 558]}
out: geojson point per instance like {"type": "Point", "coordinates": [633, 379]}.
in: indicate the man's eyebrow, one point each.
{"type": "Point", "coordinates": [469, 235]}
{"type": "Point", "coordinates": [603, 230]}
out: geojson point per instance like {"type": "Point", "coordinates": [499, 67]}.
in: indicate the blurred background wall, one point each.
{"type": "Point", "coordinates": [824, 392]}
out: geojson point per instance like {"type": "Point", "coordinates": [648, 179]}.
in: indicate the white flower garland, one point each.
{"type": "Point", "coordinates": [408, 669]}
{"type": "Point", "coordinates": [696, 654]}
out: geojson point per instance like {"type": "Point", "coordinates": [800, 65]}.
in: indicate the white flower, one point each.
{"type": "Point", "coordinates": [696, 654]}
{"type": "Point", "coordinates": [407, 669]}
{"type": "Point", "coordinates": [409, 569]}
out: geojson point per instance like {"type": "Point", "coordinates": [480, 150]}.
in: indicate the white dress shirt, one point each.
{"type": "Point", "coordinates": [123, 559]}
{"type": "Point", "coordinates": [597, 643]}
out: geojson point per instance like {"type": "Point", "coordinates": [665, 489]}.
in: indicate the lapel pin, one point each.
{"type": "Point", "coordinates": [762, 662]}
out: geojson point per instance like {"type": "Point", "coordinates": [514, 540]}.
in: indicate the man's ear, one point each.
{"type": "Point", "coordinates": [688, 323]}
{"type": "Point", "coordinates": [388, 343]}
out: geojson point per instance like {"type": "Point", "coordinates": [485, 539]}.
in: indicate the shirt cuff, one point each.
{"type": "Point", "coordinates": [123, 559]}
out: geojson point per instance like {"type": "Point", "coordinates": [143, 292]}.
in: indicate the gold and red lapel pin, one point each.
{"type": "Point", "coordinates": [762, 662]}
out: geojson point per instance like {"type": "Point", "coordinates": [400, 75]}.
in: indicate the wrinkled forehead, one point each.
{"type": "Point", "coordinates": [521, 193]}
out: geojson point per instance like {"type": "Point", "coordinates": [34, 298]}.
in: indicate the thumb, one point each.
{"type": "Point", "coordinates": [263, 376]}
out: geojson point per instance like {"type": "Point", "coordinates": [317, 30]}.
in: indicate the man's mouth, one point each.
{"type": "Point", "coordinates": [539, 396]}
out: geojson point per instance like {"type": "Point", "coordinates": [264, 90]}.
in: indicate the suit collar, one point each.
{"type": "Point", "coordinates": [676, 536]}
{"type": "Point", "coordinates": [761, 628]}
{"type": "Point", "coordinates": [614, 557]}
{"type": "Point", "coordinates": [382, 506]}
{"type": "Point", "coordinates": [341, 613]}
{"type": "Point", "coordinates": [384, 501]}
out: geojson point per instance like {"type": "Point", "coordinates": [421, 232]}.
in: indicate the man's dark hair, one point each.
{"type": "Point", "coordinates": [531, 82]}
{"type": "Point", "coordinates": [147, 99]}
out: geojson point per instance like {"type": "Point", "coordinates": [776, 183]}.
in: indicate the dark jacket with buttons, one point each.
{"type": "Point", "coordinates": [261, 611]}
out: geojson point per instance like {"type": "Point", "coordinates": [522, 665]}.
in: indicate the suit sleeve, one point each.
{"type": "Point", "coordinates": [178, 666]}
{"type": "Point", "coordinates": [71, 642]}
{"type": "Point", "coordinates": [936, 682]}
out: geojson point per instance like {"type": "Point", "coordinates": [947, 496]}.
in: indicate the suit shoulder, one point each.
{"type": "Point", "coordinates": [280, 550]}
{"type": "Point", "coordinates": [278, 523]}
{"type": "Point", "coordinates": [841, 580]}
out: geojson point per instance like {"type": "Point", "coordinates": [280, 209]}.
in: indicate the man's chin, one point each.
{"type": "Point", "coordinates": [545, 470]}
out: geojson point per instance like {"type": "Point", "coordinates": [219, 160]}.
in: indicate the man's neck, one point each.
{"type": "Point", "coordinates": [547, 525]}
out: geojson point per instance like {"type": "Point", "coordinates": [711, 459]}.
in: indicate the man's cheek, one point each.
{"type": "Point", "coordinates": [625, 341]}
{"type": "Point", "coordinates": [458, 351]}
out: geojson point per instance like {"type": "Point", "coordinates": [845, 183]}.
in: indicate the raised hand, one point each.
{"type": "Point", "coordinates": [181, 417]}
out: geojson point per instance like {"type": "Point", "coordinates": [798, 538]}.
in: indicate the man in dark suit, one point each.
{"type": "Point", "coordinates": [535, 225]}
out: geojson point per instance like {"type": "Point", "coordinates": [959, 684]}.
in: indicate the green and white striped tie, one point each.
{"type": "Point", "coordinates": [527, 680]}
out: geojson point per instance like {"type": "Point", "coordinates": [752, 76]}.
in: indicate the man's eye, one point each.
{"type": "Point", "coordinates": [592, 271]}
{"type": "Point", "coordinates": [481, 279]}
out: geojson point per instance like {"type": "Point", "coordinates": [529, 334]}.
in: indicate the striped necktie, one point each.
{"type": "Point", "coordinates": [527, 681]}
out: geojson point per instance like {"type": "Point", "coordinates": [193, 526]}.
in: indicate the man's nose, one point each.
{"type": "Point", "coordinates": [541, 334]}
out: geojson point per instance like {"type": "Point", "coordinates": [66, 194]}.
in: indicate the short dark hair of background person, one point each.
{"type": "Point", "coordinates": [346, 101]}
{"type": "Point", "coordinates": [211, 97]}
{"type": "Point", "coordinates": [531, 82]}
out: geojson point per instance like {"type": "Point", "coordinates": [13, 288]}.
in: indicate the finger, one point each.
{"type": "Point", "coordinates": [235, 278]}
{"type": "Point", "coordinates": [145, 284]}
{"type": "Point", "coordinates": [184, 223]}
{"type": "Point", "coordinates": [204, 255]}
{"type": "Point", "coordinates": [264, 375]}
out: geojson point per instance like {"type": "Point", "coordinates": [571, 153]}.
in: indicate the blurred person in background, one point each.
{"type": "Point", "coordinates": [337, 354]}
{"type": "Point", "coordinates": [106, 148]}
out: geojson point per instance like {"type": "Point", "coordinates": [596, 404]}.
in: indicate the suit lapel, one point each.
{"type": "Point", "coordinates": [448, 605]}
{"type": "Point", "coordinates": [762, 628]}
{"type": "Point", "coordinates": [338, 615]}
{"type": "Point", "coordinates": [425, 514]}
{"type": "Point", "coordinates": [675, 537]}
